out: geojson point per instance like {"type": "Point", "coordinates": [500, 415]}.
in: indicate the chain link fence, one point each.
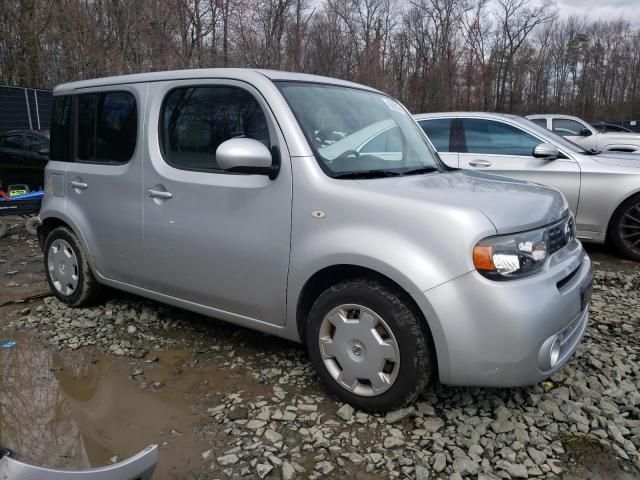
{"type": "Point", "coordinates": [24, 108]}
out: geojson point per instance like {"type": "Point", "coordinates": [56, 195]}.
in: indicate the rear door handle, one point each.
{"type": "Point", "coordinates": [164, 195]}
{"type": "Point", "coordinates": [480, 163]}
{"type": "Point", "coordinates": [79, 185]}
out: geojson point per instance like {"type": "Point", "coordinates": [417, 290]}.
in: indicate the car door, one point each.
{"type": "Point", "coordinates": [499, 147]}
{"type": "Point", "coordinates": [36, 151]}
{"type": "Point", "coordinates": [12, 164]}
{"type": "Point", "coordinates": [443, 137]}
{"type": "Point", "coordinates": [104, 182]}
{"type": "Point", "coordinates": [211, 237]}
{"type": "Point", "coordinates": [575, 131]}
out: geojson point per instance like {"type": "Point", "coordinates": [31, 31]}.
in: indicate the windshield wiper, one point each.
{"type": "Point", "coordinates": [418, 171]}
{"type": "Point", "coordinates": [368, 174]}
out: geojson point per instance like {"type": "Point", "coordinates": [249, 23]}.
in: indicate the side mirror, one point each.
{"type": "Point", "coordinates": [246, 155]}
{"type": "Point", "coordinates": [546, 150]}
{"type": "Point", "coordinates": [585, 132]}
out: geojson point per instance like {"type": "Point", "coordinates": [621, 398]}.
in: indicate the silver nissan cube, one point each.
{"type": "Point", "coordinates": [315, 210]}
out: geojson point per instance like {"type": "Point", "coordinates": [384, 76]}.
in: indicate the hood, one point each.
{"type": "Point", "coordinates": [618, 159]}
{"type": "Point", "coordinates": [511, 205]}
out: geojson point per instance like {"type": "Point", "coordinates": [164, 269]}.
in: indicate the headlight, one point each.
{"type": "Point", "coordinates": [512, 256]}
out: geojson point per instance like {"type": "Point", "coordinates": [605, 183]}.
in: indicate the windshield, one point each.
{"type": "Point", "coordinates": [359, 133]}
{"type": "Point", "coordinates": [557, 139]}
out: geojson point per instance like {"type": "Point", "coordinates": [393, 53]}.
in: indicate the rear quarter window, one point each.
{"type": "Point", "coordinates": [60, 140]}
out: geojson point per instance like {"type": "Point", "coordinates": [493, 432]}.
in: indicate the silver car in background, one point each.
{"type": "Point", "coordinates": [603, 189]}
{"type": "Point", "coordinates": [587, 136]}
{"type": "Point", "coordinates": [254, 197]}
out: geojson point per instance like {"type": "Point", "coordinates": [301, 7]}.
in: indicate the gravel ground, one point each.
{"type": "Point", "coordinates": [583, 423]}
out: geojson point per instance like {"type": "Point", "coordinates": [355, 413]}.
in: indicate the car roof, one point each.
{"type": "Point", "coordinates": [246, 74]}
{"type": "Point", "coordinates": [555, 115]}
{"type": "Point", "coordinates": [424, 116]}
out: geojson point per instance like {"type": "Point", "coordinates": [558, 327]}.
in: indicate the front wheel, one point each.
{"type": "Point", "coordinates": [370, 346]}
{"type": "Point", "coordinates": [625, 228]}
{"type": "Point", "coordinates": [67, 268]}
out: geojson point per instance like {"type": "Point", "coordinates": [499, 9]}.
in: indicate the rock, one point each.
{"type": "Point", "coordinates": [255, 424]}
{"type": "Point", "coordinates": [399, 415]}
{"type": "Point", "coordinates": [131, 329]}
{"type": "Point", "coordinates": [263, 469]}
{"type": "Point", "coordinates": [439, 462]}
{"type": "Point", "coordinates": [354, 457]}
{"type": "Point", "coordinates": [514, 469]}
{"type": "Point", "coordinates": [288, 472]}
{"type": "Point", "coordinates": [272, 436]}
{"type": "Point", "coordinates": [432, 424]}
{"type": "Point", "coordinates": [392, 442]}
{"type": "Point", "coordinates": [230, 459]}
{"type": "Point", "coordinates": [206, 454]}
{"type": "Point", "coordinates": [502, 426]}
{"type": "Point", "coordinates": [537, 456]}
{"type": "Point", "coordinates": [324, 467]}
{"type": "Point", "coordinates": [465, 466]}
{"type": "Point", "coordinates": [345, 412]}
{"type": "Point", "coordinates": [422, 473]}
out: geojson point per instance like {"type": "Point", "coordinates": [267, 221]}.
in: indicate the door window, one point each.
{"type": "Point", "coordinates": [566, 127]}
{"type": "Point", "coordinates": [196, 120]}
{"type": "Point", "coordinates": [497, 138]}
{"type": "Point", "coordinates": [439, 132]}
{"type": "Point", "coordinates": [107, 127]}
{"type": "Point", "coordinates": [13, 141]}
{"type": "Point", "coordinates": [540, 121]}
{"type": "Point", "coordinates": [36, 144]}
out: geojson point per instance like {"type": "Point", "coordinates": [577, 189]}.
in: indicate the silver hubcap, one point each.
{"type": "Point", "coordinates": [63, 267]}
{"type": "Point", "coordinates": [630, 227]}
{"type": "Point", "coordinates": [359, 350]}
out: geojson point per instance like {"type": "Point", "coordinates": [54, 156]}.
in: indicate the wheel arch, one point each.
{"type": "Point", "coordinates": [333, 274]}
{"type": "Point", "coordinates": [616, 210]}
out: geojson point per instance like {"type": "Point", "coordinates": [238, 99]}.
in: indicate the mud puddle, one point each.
{"type": "Point", "coordinates": [83, 409]}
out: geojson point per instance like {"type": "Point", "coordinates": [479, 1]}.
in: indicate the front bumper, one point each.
{"type": "Point", "coordinates": [500, 334]}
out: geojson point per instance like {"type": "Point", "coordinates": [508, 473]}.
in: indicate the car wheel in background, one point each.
{"type": "Point", "coordinates": [370, 345]}
{"type": "Point", "coordinates": [625, 228]}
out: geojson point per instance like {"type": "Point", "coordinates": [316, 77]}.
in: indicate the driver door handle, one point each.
{"type": "Point", "coordinates": [480, 163]}
{"type": "Point", "coordinates": [164, 195]}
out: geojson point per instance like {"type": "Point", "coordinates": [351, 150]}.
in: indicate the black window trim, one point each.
{"type": "Point", "coordinates": [224, 83]}
{"type": "Point", "coordinates": [74, 130]}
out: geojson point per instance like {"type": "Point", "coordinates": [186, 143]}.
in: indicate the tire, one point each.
{"type": "Point", "coordinates": [385, 340]}
{"type": "Point", "coordinates": [625, 228]}
{"type": "Point", "coordinates": [67, 268]}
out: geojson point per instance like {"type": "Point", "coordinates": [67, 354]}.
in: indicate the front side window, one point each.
{"type": "Point", "coordinates": [439, 132]}
{"type": "Point", "coordinates": [358, 133]}
{"type": "Point", "coordinates": [13, 141]}
{"type": "Point", "coordinates": [196, 120]}
{"type": "Point", "coordinates": [107, 127]}
{"type": "Point", "coordinates": [497, 138]}
{"type": "Point", "coordinates": [566, 127]}
{"type": "Point", "coordinates": [61, 129]}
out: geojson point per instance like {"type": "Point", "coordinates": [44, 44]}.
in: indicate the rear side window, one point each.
{"type": "Point", "coordinates": [107, 127]}
{"type": "Point", "coordinates": [61, 129]}
{"type": "Point", "coordinates": [13, 142]}
{"type": "Point", "coordinates": [439, 132]}
{"type": "Point", "coordinates": [540, 121]}
{"type": "Point", "coordinates": [36, 144]}
{"type": "Point", "coordinates": [496, 138]}
{"type": "Point", "coordinates": [196, 120]}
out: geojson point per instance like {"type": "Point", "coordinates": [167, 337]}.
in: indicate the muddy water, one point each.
{"type": "Point", "coordinates": [82, 409]}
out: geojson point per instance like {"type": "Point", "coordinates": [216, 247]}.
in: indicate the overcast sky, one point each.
{"type": "Point", "coordinates": [601, 9]}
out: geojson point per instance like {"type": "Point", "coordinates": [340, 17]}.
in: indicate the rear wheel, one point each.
{"type": "Point", "coordinates": [625, 228]}
{"type": "Point", "coordinates": [67, 268]}
{"type": "Point", "coordinates": [369, 345]}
